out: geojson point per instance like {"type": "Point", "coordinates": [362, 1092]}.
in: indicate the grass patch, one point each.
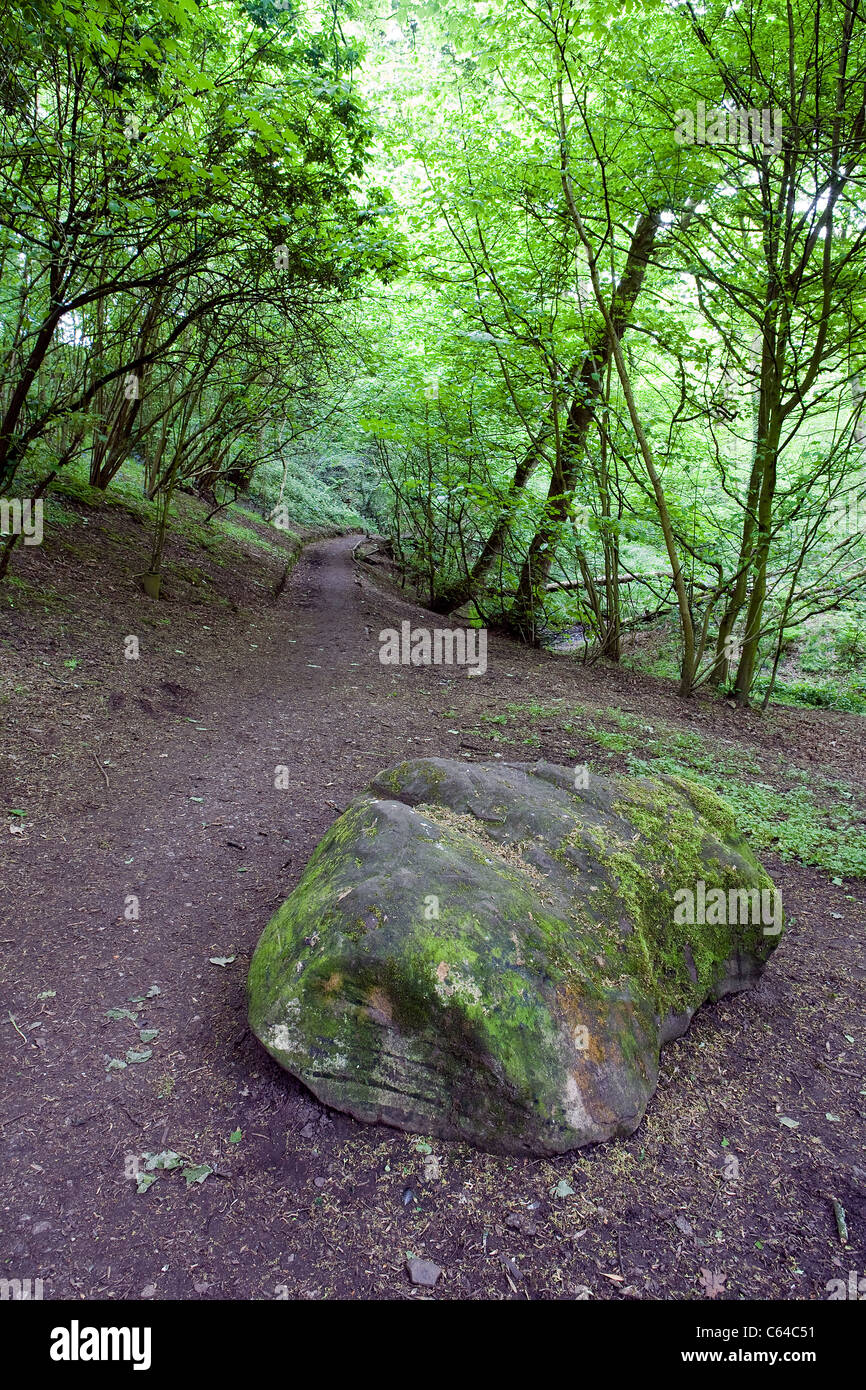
{"type": "Point", "coordinates": [801, 815]}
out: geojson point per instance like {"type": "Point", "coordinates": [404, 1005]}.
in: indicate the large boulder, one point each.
{"type": "Point", "coordinates": [490, 953]}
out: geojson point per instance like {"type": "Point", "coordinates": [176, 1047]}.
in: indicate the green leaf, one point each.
{"type": "Point", "coordinates": [196, 1173]}
{"type": "Point", "coordinates": [167, 1159]}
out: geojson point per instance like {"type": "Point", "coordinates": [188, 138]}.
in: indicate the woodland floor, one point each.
{"type": "Point", "coordinates": [156, 778]}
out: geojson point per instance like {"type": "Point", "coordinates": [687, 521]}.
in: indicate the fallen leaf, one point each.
{"type": "Point", "coordinates": [167, 1159]}
{"type": "Point", "coordinates": [713, 1282]}
{"type": "Point", "coordinates": [196, 1172]}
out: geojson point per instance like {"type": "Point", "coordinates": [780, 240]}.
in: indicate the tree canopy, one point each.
{"type": "Point", "coordinates": [576, 288]}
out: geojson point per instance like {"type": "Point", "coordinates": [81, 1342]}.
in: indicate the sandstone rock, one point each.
{"type": "Point", "coordinates": [485, 952]}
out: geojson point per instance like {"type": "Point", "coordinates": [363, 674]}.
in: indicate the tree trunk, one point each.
{"type": "Point", "coordinates": [588, 390]}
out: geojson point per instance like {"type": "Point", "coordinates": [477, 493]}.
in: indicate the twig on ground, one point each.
{"type": "Point", "coordinates": [839, 1213]}
{"type": "Point", "coordinates": [101, 768]}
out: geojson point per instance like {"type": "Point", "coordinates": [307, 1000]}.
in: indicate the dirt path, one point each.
{"type": "Point", "coordinates": [155, 780]}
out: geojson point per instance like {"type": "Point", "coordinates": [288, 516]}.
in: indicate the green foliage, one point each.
{"type": "Point", "coordinates": [850, 644]}
{"type": "Point", "coordinates": [312, 496]}
{"type": "Point", "coordinates": [180, 296]}
{"type": "Point", "coordinates": [472, 356]}
{"type": "Point", "coordinates": [825, 695]}
{"type": "Point", "coordinates": [373, 266]}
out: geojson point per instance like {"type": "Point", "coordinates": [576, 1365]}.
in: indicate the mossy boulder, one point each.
{"type": "Point", "coordinates": [489, 953]}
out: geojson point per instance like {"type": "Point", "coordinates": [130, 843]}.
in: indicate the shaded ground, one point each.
{"type": "Point", "coordinates": [155, 778]}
